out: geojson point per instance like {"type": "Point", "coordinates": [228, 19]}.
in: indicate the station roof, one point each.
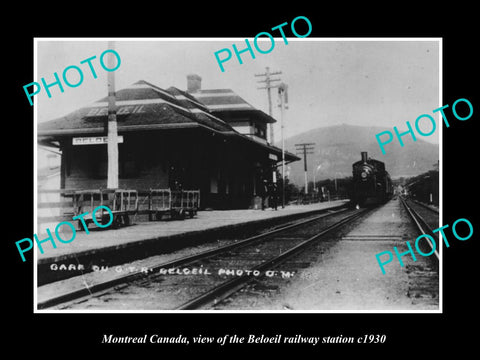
{"type": "Point", "coordinates": [144, 106]}
{"type": "Point", "coordinates": [141, 106]}
{"type": "Point", "coordinates": [223, 101]}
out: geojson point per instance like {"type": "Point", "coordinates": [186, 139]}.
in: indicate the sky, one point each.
{"type": "Point", "coordinates": [369, 82]}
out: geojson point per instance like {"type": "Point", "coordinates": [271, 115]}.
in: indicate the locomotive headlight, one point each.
{"type": "Point", "coordinates": [365, 173]}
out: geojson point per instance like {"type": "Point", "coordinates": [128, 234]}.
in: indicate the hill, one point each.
{"type": "Point", "coordinates": [338, 147]}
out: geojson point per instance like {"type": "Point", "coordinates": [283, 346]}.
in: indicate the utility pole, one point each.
{"type": "Point", "coordinates": [268, 85]}
{"type": "Point", "coordinates": [268, 80]}
{"type": "Point", "coordinates": [305, 148]}
{"type": "Point", "coordinates": [112, 143]}
{"type": "Point", "coordinates": [282, 94]}
{"type": "Point", "coordinates": [314, 177]}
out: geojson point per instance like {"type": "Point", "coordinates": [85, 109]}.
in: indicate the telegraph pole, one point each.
{"type": "Point", "coordinates": [268, 85]}
{"type": "Point", "coordinates": [112, 143]}
{"type": "Point", "coordinates": [282, 93]}
{"type": "Point", "coordinates": [305, 148]}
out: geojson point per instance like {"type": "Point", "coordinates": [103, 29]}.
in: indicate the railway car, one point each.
{"type": "Point", "coordinates": [372, 184]}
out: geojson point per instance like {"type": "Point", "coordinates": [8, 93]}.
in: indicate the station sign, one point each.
{"type": "Point", "coordinates": [273, 157]}
{"type": "Point", "coordinates": [93, 140]}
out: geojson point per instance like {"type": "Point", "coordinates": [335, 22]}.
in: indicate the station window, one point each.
{"type": "Point", "coordinates": [128, 163]}
{"type": "Point", "coordinates": [89, 161]}
{"type": "Point", "coordinates": [101, 169]}
{"type": "Point", "coordinates": [260, 130]}
{"type": "Point", "coordinates": [214, 185]}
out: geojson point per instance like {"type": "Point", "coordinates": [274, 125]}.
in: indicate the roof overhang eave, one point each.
{"type": "Point", "coordinates": [121, 129]}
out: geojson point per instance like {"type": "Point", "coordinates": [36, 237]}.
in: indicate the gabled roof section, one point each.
{"type": "Point", "coordinates": [141, 106]}
{"type": "Point", "coordinates": [223, 101]}
{"type": "Point", "coordinates": [186, 99]}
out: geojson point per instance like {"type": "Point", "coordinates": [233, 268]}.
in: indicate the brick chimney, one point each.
{"type": "Point", "coordinates": [194, 83]}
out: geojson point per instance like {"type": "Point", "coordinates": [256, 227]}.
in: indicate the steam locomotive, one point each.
{"type": "Point", "coordinates": [372, 184]}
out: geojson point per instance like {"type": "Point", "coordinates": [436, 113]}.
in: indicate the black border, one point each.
{"type": "Point", "coordinates": [406, 333]}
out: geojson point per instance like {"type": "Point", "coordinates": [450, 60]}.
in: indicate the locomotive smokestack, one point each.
{"type": "Point", "coordinates": [364, 156]}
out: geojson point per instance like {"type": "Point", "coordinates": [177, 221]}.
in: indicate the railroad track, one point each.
{"type": "Point", "coordinates": [432, 209]}
{"type": "Point", "coordinates": [207, 277]}
{"type": "Point", "coordinates": [423, 224]}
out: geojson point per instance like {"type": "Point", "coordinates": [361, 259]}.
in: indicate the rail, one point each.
{"type": "Point", "coordinates": [203, 255]}
{"type": "Point", "coordinates": [229, 287]}
{"type": "Point", "coordinates": [426, 206]}
{"type": "Point", "coordinates": [421, 224]}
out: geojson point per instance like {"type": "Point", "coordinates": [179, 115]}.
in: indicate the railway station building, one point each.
{"type": "Point", "coordinates": [207, 140]}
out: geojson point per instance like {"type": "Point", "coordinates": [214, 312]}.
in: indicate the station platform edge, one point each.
{"type": "Point", "coordinates": [142, 239]}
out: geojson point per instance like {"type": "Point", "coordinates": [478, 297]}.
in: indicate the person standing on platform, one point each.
{"type": "Point", "coordinates": [264, 193]}
{"type": "Point", "coordinates": [272, 195]}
